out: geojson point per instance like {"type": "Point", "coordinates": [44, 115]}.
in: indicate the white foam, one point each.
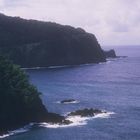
{"type": "Point", "coordinates": [17, 131]}
{"type": "Point", "coordinates": [101, 63]}
{"type": "Point", "coordinates": [107, 62]}
{"type": "Point", "coordinates": [77, 120]}
{"type": "Point", "coordinates": [11, 133]}
{"type": "Point", "coordinates": [111, 59]}
{"type": "Point", "coordinates": [33, 68]}
{"type": "Point", "coordinates": [49, 125]}
{"type": "Point", "coordinates": [4, 136]}
{"type": "Point", "coordinates": [104, 115]}
{"type": "Point", "coordinates": [21, 130]}
{"type": "Point", "coordinates": [53, 67]}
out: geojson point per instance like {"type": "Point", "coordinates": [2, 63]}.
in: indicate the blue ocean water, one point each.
{"type": "Point", "coordinates": [113, 86]}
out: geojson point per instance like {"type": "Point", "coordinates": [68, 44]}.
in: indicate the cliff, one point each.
{"type": "Point", "coordinates": [20, 103]}
{"type": "Point", "coordinates": [32, 43]}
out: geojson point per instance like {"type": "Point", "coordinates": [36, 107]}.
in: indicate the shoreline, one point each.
{"type": "Point", "coordinates": [68, 120]}
{"type": "Point", "coordinates": [69, 66]}
{"type": "Point", "coordinates": [75, 121]}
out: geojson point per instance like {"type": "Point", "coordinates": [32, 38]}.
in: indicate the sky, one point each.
{"type": "Point", "coordinates": [114, 22]}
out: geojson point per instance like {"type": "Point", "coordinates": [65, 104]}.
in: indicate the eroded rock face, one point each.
{"type": "Point", "coordinates": [85, 112]}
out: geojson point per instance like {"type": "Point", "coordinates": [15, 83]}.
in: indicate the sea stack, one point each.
{"type": "Point", "coordinates": [110, 54]}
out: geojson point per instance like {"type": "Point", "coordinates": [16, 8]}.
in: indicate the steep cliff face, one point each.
{"type": "Point", "coordinates": [20, 103]}
{"type": "Point", "coordinates": [32, 43]}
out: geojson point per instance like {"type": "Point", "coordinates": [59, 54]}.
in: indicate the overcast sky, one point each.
{"type": "Point", "coordinates": [114, 22]}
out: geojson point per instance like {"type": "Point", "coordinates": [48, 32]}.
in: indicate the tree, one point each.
{"type": "Point", "coordinates": [19, 100]}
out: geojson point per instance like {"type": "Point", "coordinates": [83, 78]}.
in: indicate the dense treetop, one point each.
{"type": "Point", "coordinates": [19, 100]}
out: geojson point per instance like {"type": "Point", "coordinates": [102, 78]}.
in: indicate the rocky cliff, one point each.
{"type": "Point", "coordinates": [32, 43]}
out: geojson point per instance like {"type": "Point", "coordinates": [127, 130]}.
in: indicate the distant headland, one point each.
{"type": "Point", "coordinates": [32, 43]}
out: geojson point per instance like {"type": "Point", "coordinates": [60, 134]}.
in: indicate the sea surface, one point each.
{"type": "Point", "coordinates": [113, 86]}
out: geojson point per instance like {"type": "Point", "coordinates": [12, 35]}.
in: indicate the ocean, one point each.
{"type": "Point", "coordinates": [113, 86]}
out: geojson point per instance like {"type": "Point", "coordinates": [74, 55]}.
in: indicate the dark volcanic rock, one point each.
{"type": "Point", "coordinates": [68, 101]}
{"type": "Point", "coordinates": [54, 118]}
{"type": "Point", "coordinates": [32, 43]}
{"type": "Point", "coordinates": [85, 112]}
{"type": "Point", "coordinates": [111, 53]}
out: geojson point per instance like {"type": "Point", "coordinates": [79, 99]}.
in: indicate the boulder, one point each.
{"type": "Point", "coordinates": [85, 112]}
{"type": "Point", "coordinates": [110, 54]}
{"type": "Point", "coordinates": [67, 101]}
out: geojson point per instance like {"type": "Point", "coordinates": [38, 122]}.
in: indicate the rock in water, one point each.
{"type": "Point", "coordinates": [68, 101]}
{"type": "Point", "coordinates": [85, 112]}
{"type": "Point", "coordinates": [110, 54]}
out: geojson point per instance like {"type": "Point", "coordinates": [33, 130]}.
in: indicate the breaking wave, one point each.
{"type": "Point", "coordinates": [18, 131]}
{"type": "Point", "coordinates": [77, 120]}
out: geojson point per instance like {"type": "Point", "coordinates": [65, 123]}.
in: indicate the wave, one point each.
{"type": "Point", "coordinates": [116, 58]}
{"type": "Point", "coordinates": [65, 66]}
{"type": "Point", "coordinates": [18, 131]}
{"type": "Point", "coordinates": [54, 67]}
{"type": "Point", "coordinates": [109, 60]}
{"type": "Point", "coordinates": [4, 136]}
{"type": "Point", "coordinates": [34, 68]}
{"type": "Point", "coordinates": [49, 67]}
{"type": "Point", "coordinates": [104, 115]}
{"type": "Point", "coordinates": [77, 120]}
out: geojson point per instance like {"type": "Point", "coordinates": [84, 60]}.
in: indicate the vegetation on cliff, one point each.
{"type": "Point", "coordinates": [32, 43]}
{"type": "Point", "coordinates": [19, 100]}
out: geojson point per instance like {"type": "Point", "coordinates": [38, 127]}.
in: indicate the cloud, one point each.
{"type": "Point", "coordinates": [110, 20]}
{"type": "Point", "coordinates": [1, 3]}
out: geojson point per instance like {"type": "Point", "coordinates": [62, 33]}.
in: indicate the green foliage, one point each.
{"type": "Point", "coordinates": [19, 100]}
